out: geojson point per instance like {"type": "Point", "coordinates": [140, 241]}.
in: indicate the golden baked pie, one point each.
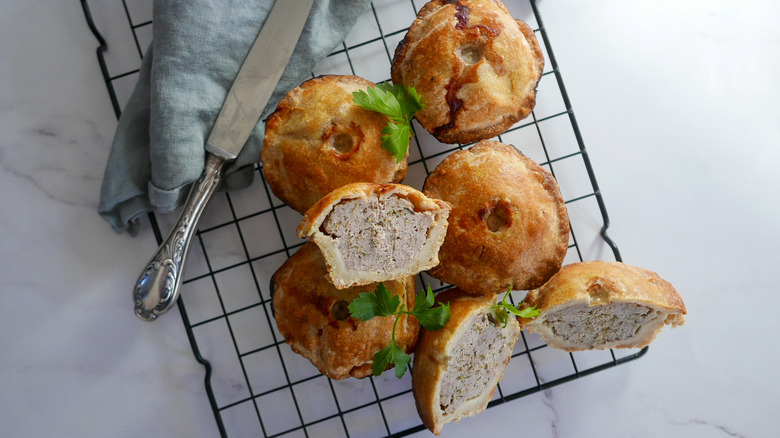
{"type": "Point", "coordinates": [474, 65]}
{"type": "Point", "coordinates": [318, 139]}
{"type": "Point", "coordinates": [376, 232]}
{"type": "Point", "coordinates": [508, 225]}
{"type": "Point", "coordinates": [600, 305]}
{"type": "Point", "coordinates": [313, 316]}
{"type": "Point", "coordinates": [456, 369]}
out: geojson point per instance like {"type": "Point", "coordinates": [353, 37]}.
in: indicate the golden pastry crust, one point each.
{"type": "Point", "coordinates": [435, 351]}
{"type": "Point", "coordinates": [313, 317]}
{"type": "Point", "coordinates": [476, 67]}
{"type": "Point", "coordinates": [340, 273]}
{"type": "Point", "coordinates": [318, 139]}
{"type": "Point", "coordinates": [595, 284]}
{"type": "Point", "coordinates": [508, 226]}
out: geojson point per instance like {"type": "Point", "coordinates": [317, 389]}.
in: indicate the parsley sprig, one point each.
{"type": "Point", "coordinates": [504, 308]}
{"type": "Point", "coordinates": [398, 103]}
{"type": "Point", "coordinates": [383, 303]}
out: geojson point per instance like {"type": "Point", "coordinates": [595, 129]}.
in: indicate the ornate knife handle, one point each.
{"type": "Point", "coordinates": [157, 289]}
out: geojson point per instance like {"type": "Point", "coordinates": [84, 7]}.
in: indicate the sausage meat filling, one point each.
{"type": "Point", "coordinates": [378, 235]}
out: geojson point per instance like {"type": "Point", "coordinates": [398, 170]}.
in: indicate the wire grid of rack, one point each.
{"type": "Point", "coordinates": [255, 383]}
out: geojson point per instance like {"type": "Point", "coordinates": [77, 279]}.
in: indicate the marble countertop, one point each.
{"type": "Point", "coordinates": [677, 103]}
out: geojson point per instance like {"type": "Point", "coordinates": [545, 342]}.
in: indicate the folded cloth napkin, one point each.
{"type": "Point", "coordinates": [198, 47]}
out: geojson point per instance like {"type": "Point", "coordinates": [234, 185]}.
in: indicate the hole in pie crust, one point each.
{"type": "Point", "coordinates": [496, 221]}
{"type": "Point", "coordinates": [499, 218]}
{"type": "Point", "coordinates": [470, 53]}
{"type": "Point", "coordinates": [342, 142]}
{"type": "Point", "coordinates": [340, 310]}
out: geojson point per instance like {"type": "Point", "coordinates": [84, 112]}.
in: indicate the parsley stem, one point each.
{"type": "Point", "coordinates": [398, 314]}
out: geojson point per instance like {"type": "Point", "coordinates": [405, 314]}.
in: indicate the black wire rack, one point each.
{"type": "Point", "coordinates": [254, 382]}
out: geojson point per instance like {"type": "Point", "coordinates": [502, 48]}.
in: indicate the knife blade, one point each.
{"type": "Point", "coordinates": [157, 288]}
{"type": "Point", "coordinates": [257, 78]}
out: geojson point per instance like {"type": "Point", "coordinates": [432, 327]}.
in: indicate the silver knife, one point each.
{"type": "Point", "coordinates": [157, 289]}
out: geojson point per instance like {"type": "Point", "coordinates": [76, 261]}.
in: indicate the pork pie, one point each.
{"type": "Point", "coordinates": [318, 139]}
{"type": "Point", "coordinates": [600, 305]}
{"type": "Point", "coordinates": [508, 225]}
{"type": "Point", "coordinates": [475, 66]}
{"type": "Point", "coordinates": [376, 232]}
{"type": "Point", "coordinates": [456, 369]}
{"type": "Point", "coordinates": [313, 316]}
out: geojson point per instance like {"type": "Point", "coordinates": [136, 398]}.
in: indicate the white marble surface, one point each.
{"type": "Point", "coordinates": [677, 102]}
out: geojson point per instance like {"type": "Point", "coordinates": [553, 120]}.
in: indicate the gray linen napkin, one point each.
{"type": "Point", "coordinates": [198, 47]}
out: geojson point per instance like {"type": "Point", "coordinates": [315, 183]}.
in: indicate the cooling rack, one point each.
{"type": "Point", "coordinates": [254, 382]}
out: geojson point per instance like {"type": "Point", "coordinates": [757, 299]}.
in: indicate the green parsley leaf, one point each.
{"type": "Point", "coordinates": [379, 100]}
{"type": "Point", "coordinates": [412, 103]}
{"type": "Point", "coordinates": [397, 103]}
{"type": "Point", "coordinates": [504, 308]}
{"type": "Point", "coordinates": [501, 315]}
{"type": "Point", "coordinates": [408, 101]}
{"type": "Point", "coordinates": [383, 303]}
{"type": "Point", "coordinates": [364, 307]}
{"type": "Point", "coordinates": [435, 318]}
{"type": "Point", "coordinates": [423, 300]}
{"type": "Point", "coordinates": [396, 140]}
{"type": "Point", "coordinates": [432, 318]}
{"type": "Point", "coordinates": [528, 312]}
{"type": "Point", "coordinates": [392, 354]}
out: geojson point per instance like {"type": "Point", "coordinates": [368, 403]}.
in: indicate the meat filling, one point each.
{"type": "Point", "coordinates": [480, 355]}
{"type": "Point", "coordinates": [595, 325]}
{"type": "Point", "coordinates": [377, 235]}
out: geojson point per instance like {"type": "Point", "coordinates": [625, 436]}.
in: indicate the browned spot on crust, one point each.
{"type": "Point", "coordinates": [323, 304]}
{"type": "Point", "coordinates": [384, 188]}
{"type": "Point", "coordinates": [484, 213]}
{"type": "Point", "coordinates": [462, 15]}
{"type": "Point", "coordinates": [479, 35]}
{"type": "Point", "coordinates": [599, 292]}
{"type": "Point", "coordinates": [455, 104]}
{"type": "Point", "coordinates": [353, 323]}
{"type": "Point", "coordinates": [400, 49]}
